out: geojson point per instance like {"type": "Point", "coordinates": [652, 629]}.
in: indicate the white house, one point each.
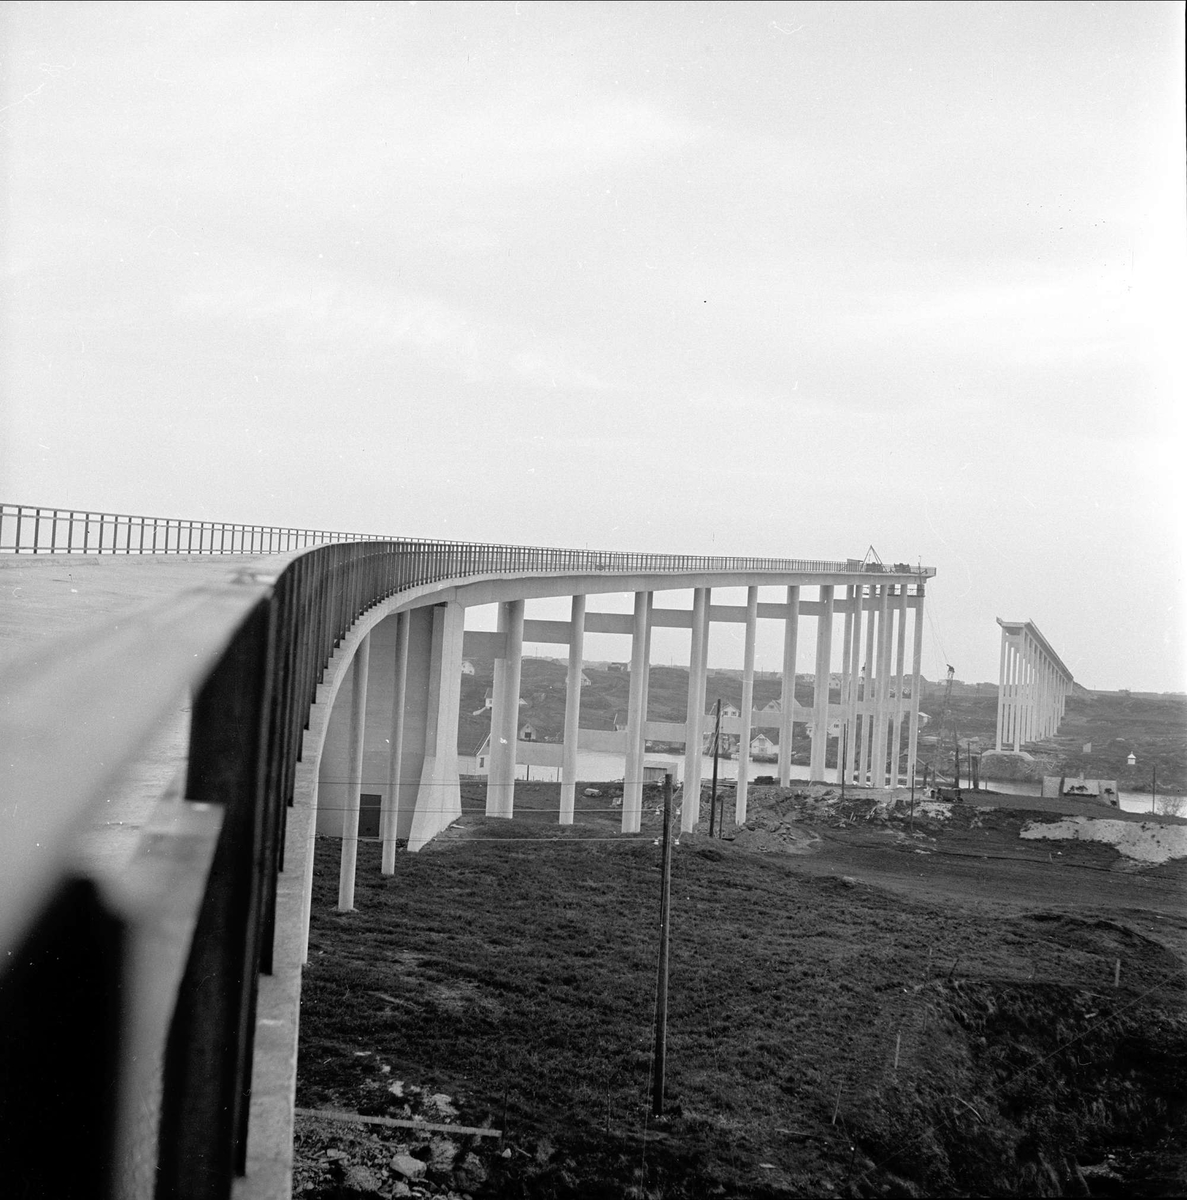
{"type": "Point", "coordinates": [834, 728]}
{"type": "Point", "coordinates": [467, 667]}
{"type": "Point", "coordinates": [762, 747]}
{"type": "Point", "coordinates": [488, 702]}
{"type": "Point", "coordinates": [725, 745]}
{"type": "Point", "coordinates": [773, 706]}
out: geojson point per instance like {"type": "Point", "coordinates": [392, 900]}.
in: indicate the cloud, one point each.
{"type": "Point", "coordinates": [338, 321]}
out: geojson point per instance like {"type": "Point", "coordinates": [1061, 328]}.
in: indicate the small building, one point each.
{"type": "Point", "coordinates": [833, 729]}
{"type": "Point", "coordinates": [773, 706]}
{"type": "Point", "coordinates": [1132, 760]}
{"type": "Point", "coordinates": [654, 772]}
{"type": "Point", "coordinates": [762, 747]}
{"type": "Point", "coordinates": [1102, 790]}
{"type": "Point", "coordinates": [726, 743]}
{"type": "Point", "coordinates": [467, 667]}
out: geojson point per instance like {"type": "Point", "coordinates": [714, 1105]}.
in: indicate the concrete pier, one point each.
{"type": "Point", "coordinates": [741, 794]}
{"type": "Point", "coordinates": [1033, 686]}
{"type": "Point", "coordinates": [824, 642]}
{"type": "Point", "coordinates": [632, 786]}
{"type": "Point", "coordinates": [504, 721]}
{"type": "Point", "coordinates": [354, 777]}
{"type": "Point", "coordinates": [690, 813]}
{"type": "Point", "coordinates": [408, 769]}
{"type": "Point", "coordinates": [791, 628]}
{"type": "Point", "coordinates": [572, 709]}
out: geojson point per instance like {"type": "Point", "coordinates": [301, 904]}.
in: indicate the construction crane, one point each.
{"type": "Point", "coordinates": [945, 714]}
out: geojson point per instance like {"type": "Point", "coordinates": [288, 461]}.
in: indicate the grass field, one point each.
{"type": "Point", "coordinates": [857, 1008]}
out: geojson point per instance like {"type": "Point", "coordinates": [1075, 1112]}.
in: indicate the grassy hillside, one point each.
{"type": "Point", "coordinates": [1153, 727]}
{"type": "Point", "coordinates": [900, 1011]}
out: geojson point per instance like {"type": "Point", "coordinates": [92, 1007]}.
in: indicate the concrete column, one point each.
{"type": "Point", "coordinates": [498, 686]}
{"type": "Point", "coordinates": [916, 663]}
{"type": "Point", "coordinates": [389, 813]}
{"type": "Point", "coordinates": [1001, 692]}
{"type": "Point", "coordinates": [1044, 668]}
{"type": "Point", "coordinates": [1040, 693]}
{"type": "Point", "coordinates": [1041, 727]}
{"type": "Point", "coordinates": [354, 776]}
{"type": "Point", "coordinates": [1036, 676]}
{"type": "Point", "coordinates": [572, 709]}
{"type": "Point", "coordinates": [1011, 691]}
{"type": "Point", "coordinates": [1027, 691]}
{"type": "Point", "coordinates": [1016, 694]}
{"type": "Point", "coordinates": [900, 655]}
{"type": "Point", "coordinates": [439, 797]}
{"type": "Point", "coordinates": [704, 685]}
{"type": "Point", "coordinates": [866, 766]}
{"type": "Point", "coordinates": [887, 679]}
{"type": "Point", "coordinates": [504, 720]}
{"type": "Point", "coordinates": [846, 684]}
{"type": "Point", "coordinates": [874, 685]}
{"type": "Point", "coordinates": [1023, 691]}
{"type": "Point", "coordinates": [646, 683]}
{"type": "Point", "coordinates": [690, 809]}
{"type": "Point", "coordinates": [791, 633]}
{"type": "Point", "coordinates": [1030, 691]}
{"type": "Point", "coordinates": [636, 717]}
{"type": "Point", "coordinates": [740, 795]}
{"type": "Point", "coordinates": [824, 646]}
{"type": "Point", "coordinates": [882, 659]}
{"type": "Point", "coordinates": [853, 712]}
{"type": "Point", "coordinates": [1036, 690]}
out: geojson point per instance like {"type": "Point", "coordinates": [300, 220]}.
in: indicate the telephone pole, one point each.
{"type": "Point", "coordinates": [713, 789]}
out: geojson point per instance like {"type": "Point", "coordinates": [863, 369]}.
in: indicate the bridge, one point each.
{"type": "Point", "coordinates": [167, 769]}
{"type": "Point", "coordinates": [1033, 686]}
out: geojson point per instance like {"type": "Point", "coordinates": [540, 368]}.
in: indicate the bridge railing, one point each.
{"type": "Point", "coordinates": [142, 988]}
{"type": "Point", "coordinates": [33, 529]}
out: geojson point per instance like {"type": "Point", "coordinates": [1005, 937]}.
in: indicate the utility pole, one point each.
{"type": "Point", "coordinates": [661, 989]}
{"type": "Point", "coordinates": [716, 743]}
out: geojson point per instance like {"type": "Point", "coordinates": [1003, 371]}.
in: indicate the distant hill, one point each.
{"type": "Point", "coordinates": [1152, 726]}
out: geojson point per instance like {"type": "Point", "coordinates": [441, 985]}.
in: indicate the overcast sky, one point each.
{"type": "Point", "coordinates": [777, 279]}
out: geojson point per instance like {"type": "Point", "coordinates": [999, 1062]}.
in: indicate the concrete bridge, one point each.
{"type": "Point", "coordinates": [156, 852]}
{"type": "Point", "coordinates": [1033, 687]}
